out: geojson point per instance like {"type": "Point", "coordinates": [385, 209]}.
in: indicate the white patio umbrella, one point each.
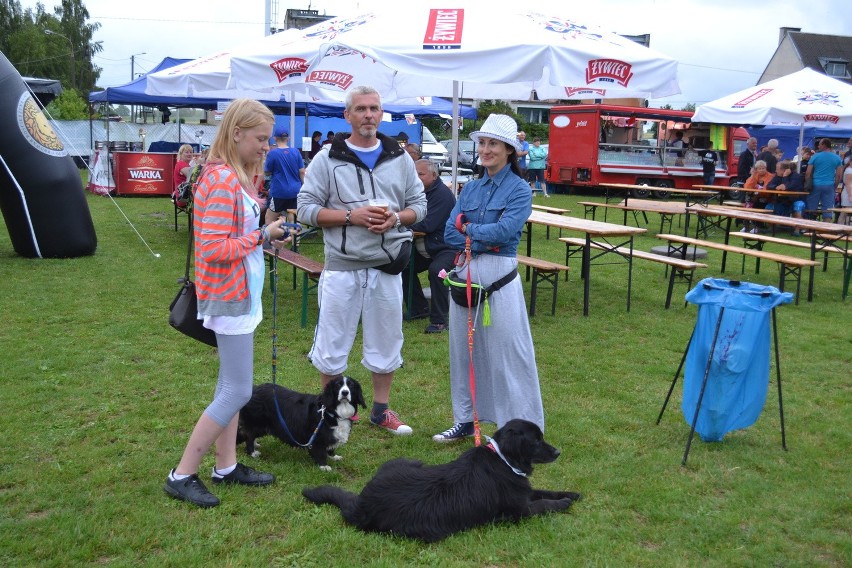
{"type": "Point", "coordinates": [497, 55]}
{"type": "Point", "coordinates": [804, 98]}
{"type": "Point", "coordinates": [472, 50]}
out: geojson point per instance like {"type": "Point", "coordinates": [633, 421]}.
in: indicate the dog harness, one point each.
{"type": "Point", "coordinates": [494, 447]}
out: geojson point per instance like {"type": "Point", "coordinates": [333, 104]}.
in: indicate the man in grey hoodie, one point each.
{"type": "Point", "coordinates": [364, 192]}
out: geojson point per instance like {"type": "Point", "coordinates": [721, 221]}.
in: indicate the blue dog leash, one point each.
{"type": "Point", "coordinates": [281, 421]}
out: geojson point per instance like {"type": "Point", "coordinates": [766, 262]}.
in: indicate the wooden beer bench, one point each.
{"type": "Point", "coordinates": [311, 271]}
{"type": "Point", "coordinates": [787, 265]}
{"type": "Point", "coordinates": [681, 269]}
{"type": "Point", "coordinates": [756, 241]}
{"type": "Point", "coordinates": [542, 271]}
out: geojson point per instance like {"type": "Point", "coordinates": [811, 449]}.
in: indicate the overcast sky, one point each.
{"type": "Point", "coordinates": [721, 46]}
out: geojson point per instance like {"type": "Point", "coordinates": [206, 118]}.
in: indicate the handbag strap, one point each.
{"type": "Point", "coordinates": [188, 258]}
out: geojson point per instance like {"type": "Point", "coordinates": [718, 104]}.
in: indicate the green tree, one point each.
{"type": "Point", "coordinates": [65, 55]}
{"type": "Point", "coordinates": [68, 106]}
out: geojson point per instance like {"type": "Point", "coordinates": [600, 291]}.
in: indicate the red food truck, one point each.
{"type": "Point", "coordinates": [594, 144]}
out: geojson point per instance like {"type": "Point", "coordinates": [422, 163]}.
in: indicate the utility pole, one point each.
{"type": "Point", "coordinates": [132, 77]}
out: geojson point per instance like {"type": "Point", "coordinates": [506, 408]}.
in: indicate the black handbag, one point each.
{"type": "Point", "coordinates": [183, 311]}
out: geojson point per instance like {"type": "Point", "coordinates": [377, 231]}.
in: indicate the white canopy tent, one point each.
{"type": "Point", "coordinates": [471, 51]}
{"type": "Point", "coordinates": [804, 98]}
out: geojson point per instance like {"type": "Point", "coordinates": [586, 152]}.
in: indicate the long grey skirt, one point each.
{"type": "Point", "coordinates": [504, 365]}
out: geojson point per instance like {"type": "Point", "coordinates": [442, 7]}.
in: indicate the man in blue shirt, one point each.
{"type": "Point", "coordinates": [286, 169]}
{"type": "Point", "coordinates": [824, 172]}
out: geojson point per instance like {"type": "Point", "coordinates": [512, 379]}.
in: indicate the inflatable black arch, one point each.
{"type": "Point", "coordinates": [41, 194]}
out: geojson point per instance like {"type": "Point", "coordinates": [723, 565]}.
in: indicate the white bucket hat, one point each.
{"type": "Point", "coordinates": [500, 127]}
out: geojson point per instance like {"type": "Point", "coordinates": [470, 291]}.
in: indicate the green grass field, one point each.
{"type": "Point", "coordinates": [99, 396]}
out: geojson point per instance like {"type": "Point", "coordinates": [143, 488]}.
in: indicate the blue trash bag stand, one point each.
{"type": "Point", "coordinates": [729, 351]}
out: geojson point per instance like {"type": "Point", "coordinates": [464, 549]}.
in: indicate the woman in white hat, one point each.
{"type": "Point", "coordinates": [491, 211]}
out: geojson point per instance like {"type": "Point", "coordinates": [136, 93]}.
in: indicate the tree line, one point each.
{"type": "Point", "coordinates": [52, 46]}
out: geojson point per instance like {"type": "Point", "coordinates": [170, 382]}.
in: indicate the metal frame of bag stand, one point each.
{"type": "Point", "coordinates": [707, 375]}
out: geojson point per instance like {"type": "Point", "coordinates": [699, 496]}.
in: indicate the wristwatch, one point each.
{"type": "Point", "coordinates": [348, 221]}
{"type": "Point", "coordinates": [398, 223]}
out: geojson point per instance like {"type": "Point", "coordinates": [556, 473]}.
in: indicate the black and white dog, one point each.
{"type": "Point", "coordinates": [485, 484]}
{"type": "Point", "coordinates": [319, 422]}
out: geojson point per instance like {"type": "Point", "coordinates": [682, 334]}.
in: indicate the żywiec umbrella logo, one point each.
{"type": "Point", "coordinates": [571, 91]}
{"type": "Point", "coordinates": [333, 78]}
{"type": "Point", "coordinates": [334, 28]}
{"type": "Point", "coordinates": [821, 118]}
{"type": "Point", "coordinates": [609, 71]}
{"type": "Point", "coordinates": [289, 67]}
{"type": "Point", "coordinates": [565, 27]}
{"type": "Point", "coordinates": [444, 29]}
{"type": "Point", "coordinates": [819, 97]}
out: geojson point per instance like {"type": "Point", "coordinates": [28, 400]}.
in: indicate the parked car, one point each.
{"type": "Point", "coordinates": [466, 153]}
{"type": "Point", "coordinates": [431, 149]}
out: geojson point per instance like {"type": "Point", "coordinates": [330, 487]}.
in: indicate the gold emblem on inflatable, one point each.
{"type": "Point", "coordinates": [37, 129]}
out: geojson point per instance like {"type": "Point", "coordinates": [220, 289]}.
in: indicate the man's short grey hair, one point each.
{"type": "Point", "coordinates": [432, 167]}
{"type": "Point", "coordinates": [360, 90]}
{"type": "Point", "coordinates": [772, 144]}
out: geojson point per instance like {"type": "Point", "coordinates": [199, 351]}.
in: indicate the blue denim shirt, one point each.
{"type": "Point", "coordinates": [497, 209]}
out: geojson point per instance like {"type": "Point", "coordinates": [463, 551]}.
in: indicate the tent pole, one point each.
{"type": "Point", "coordinates": [292, 128]}
{"type": "Point", "coordinates": [799, 148]}
{"type": "Point", "coordinates": [454, 159]}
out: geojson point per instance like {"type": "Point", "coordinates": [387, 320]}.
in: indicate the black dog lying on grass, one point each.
{"type": "Point", "coordinates": [485, 484]}
{"type": "Point", "coordinates": [328, 414]}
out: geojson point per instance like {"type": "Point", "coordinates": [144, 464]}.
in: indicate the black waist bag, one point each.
{"type": "Point", "coordinates": [458, 288]}
{"type": "Point", "coordinates": [397, 265]}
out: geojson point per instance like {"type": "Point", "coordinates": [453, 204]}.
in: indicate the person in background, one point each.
{"type": "Point", "coordinates": [823, 175]}
{"type": "Point", "coordinates": [537, 160]}
{"type": "Point", "coordinates": [846, 192]}
{"type": "Point", "coordinates": [430, 251]}
{"type": "Point", "coordinates": [787, 179]}
{"type": "Point", "coordinates": [522, 153]}
{"type": "Point", "coordinates": [316, 144]}
{"type": "Point", "coordinates": [229, 272]}
{"type": "Point", "coordinates": [414, 151]}
{"type": "Point", "coordinates": [402, 138]}
{"type": "Point", "coordinates": [286, 170]}
{"type": "Point", "coordinates": [746, 161]}
{"type": "Point", "coordinates": [181, 172]}
{"type": "Point", "coordinates": [492, 211]}
{"type": "Point", "coordinates": [329, 138]}
{"type": "Point", "coordinates": [367, 245]}
{"type": "Point", "coordinates": [678, 142]}
{"type": "Point", "coordinates": [709, 159]}
{"type": "Point", "coordinates": [758, 180]}
{"type": "Point", "coordinates": [768, 155]}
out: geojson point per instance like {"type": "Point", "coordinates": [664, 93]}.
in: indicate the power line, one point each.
{"type": "Point", "coordinates": [175, 21]}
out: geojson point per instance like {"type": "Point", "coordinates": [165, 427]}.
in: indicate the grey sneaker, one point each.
{"type": "Point", "coordinates": [190, 489]}
{"type": "Point", "coordinates": [458, 431]}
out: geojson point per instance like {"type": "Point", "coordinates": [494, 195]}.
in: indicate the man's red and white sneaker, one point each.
{"type": "Point", "coordinates": [390, 421]}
